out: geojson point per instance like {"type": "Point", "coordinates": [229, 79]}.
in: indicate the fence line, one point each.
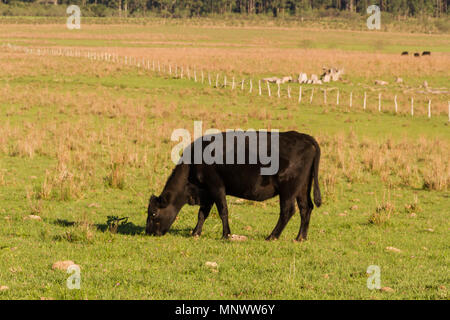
{"type": "Point", "coordinates": [167, 69]}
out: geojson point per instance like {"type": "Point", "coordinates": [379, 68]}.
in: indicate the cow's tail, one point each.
{"type": "Point", "coordinates": [315, 168]}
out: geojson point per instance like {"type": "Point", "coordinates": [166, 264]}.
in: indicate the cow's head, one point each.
{"type": "Point", "coordinates": [161, 214]}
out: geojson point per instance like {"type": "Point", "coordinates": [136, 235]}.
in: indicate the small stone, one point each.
{"type": "Point", "coordinates": [325, 213]}
{"type": "Point", "coordinates": [326, 276]}
{"type": "Point", "coordinates": [248, 228]}
{"type": "Point", "coordinates": [94, 205]}
{"type": "Point", "coordinates": [211, 264]}
{"type": "Point", "coordinates": [62, 265]}
{"type": "Point", "coordinates": [393, 249]}
{"type": "Point", "coordinates": [33, 217]}
{"type": "Point", "coordinates": [429, 230]}
{"type": "Point", "coordinates": [354, 207]}
{"type": "Point", "coordinates": [235, 237]}
{"type": "Point", "coordinates": [4, 288]}
{"type": "Point", "coordinates": [387, 289]}
{"type": "Point", "coordinates": [413, 215]}
{"type": "Point", "coordinates": [342, 214]}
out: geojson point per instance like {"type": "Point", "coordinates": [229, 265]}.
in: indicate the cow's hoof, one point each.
{"type": "Point", "coordinates": [300, 240]}
{"type": "Point", "coordinates": [271, 237]}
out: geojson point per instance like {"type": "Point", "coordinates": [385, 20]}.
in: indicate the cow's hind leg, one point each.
{"type": "Point", "coordinates": [287, 210]}
{"type": "Point", "coordinates": [306, 206]}
{"type": "Point", "coordinates": [203, 213]}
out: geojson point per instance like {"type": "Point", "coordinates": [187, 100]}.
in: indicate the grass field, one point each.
{"type": "Point", "coordinates": [82, 140]}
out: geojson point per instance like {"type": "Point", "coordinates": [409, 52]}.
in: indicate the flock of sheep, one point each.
{"type": "Point", "coordinates": [329, 74]}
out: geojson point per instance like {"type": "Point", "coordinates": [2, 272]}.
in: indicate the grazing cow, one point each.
{"type": "Point", "coordinates": [271, 80]}
{"type": "Point", "coordinates": [206, 184]}
{"type": "Point", "coordinates": [286, 79]}
{"type": "Point", "coordinates": [426, 53]}
{"type": "Point", "coordinates": [302, 78]}
{"type": "Point", "coordinates": [416, 54]}
{"type": "Point", "coordinates": [405, 53]}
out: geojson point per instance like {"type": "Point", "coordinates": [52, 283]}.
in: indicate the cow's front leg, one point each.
{"type": "Point", "coordinates": [217, 192]}
{"type": "Point", "coordinates": [203, 213]}
{"type": "Point", "coordinates": [287, 210]}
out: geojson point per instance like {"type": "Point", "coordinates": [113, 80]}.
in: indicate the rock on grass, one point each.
{"type": "Point", "coordinates": [4, 288]}
{"type": "Point", "coordinates": [32, 217]}
{"type": "Point", "coordinates": [62, 265]}
{"type": "Point", "coordinates": [211, 264]}
{"type": "Point", "coordinates": [387, 289]}
{"type": "Point", "coordinates": [393, 249]}
{"type": "Point", "coordinates": [236, 237]}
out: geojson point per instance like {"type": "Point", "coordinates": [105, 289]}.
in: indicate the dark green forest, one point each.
{"type": "Point", "coordinates": [275, 8]}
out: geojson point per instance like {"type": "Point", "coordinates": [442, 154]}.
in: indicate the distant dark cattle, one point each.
{"type": "Point", "coordinates": [426, 53]}
{"type": "Point", "coordinates": [416, 54]}
{"type": "Point", "coordinates": [205, 184]}
{"type": "Point", "coordinates": [405, 53]}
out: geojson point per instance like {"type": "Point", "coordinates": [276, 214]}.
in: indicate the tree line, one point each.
{"type": "Point", "coordinates": [405, 8]}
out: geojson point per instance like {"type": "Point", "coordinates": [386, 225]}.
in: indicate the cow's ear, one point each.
{"type": "Point", "coordinates": [164, 199]}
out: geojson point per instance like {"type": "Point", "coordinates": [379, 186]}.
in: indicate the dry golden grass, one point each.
{"type": "Point", "coordinates": [86, 153]}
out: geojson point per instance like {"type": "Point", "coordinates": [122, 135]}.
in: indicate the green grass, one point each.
{"type": "Point", "coordinates": [332, 264]}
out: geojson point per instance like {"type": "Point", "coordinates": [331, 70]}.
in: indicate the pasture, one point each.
{"type": "Point", "coordinates": [82, 140]}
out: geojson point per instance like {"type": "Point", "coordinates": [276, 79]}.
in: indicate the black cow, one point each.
{"type": "Point", "coordinates": [426, 53]}
{"type": "Point", "coordinates": [207, 184]}
{"type": "Point", "coordinates": [416, 54]}
{"type": "Point", "coordinates": [405, 53]}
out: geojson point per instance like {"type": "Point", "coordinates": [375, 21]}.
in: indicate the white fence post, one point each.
{"type": "Point", "coordinates": [351, 99]}
{"type": "Point", "coordinates": [412, 106]}
{"type": "Point", "coordinates": [312, 94]}
{"type": "Point", "coordinates": [395, 101]}
{"type": "Point", "coordinates": [365, 100]}
{"type": "Point", "coordinates": [300, 95]}
{"type": "Point", "coordinates": [379, 102]}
